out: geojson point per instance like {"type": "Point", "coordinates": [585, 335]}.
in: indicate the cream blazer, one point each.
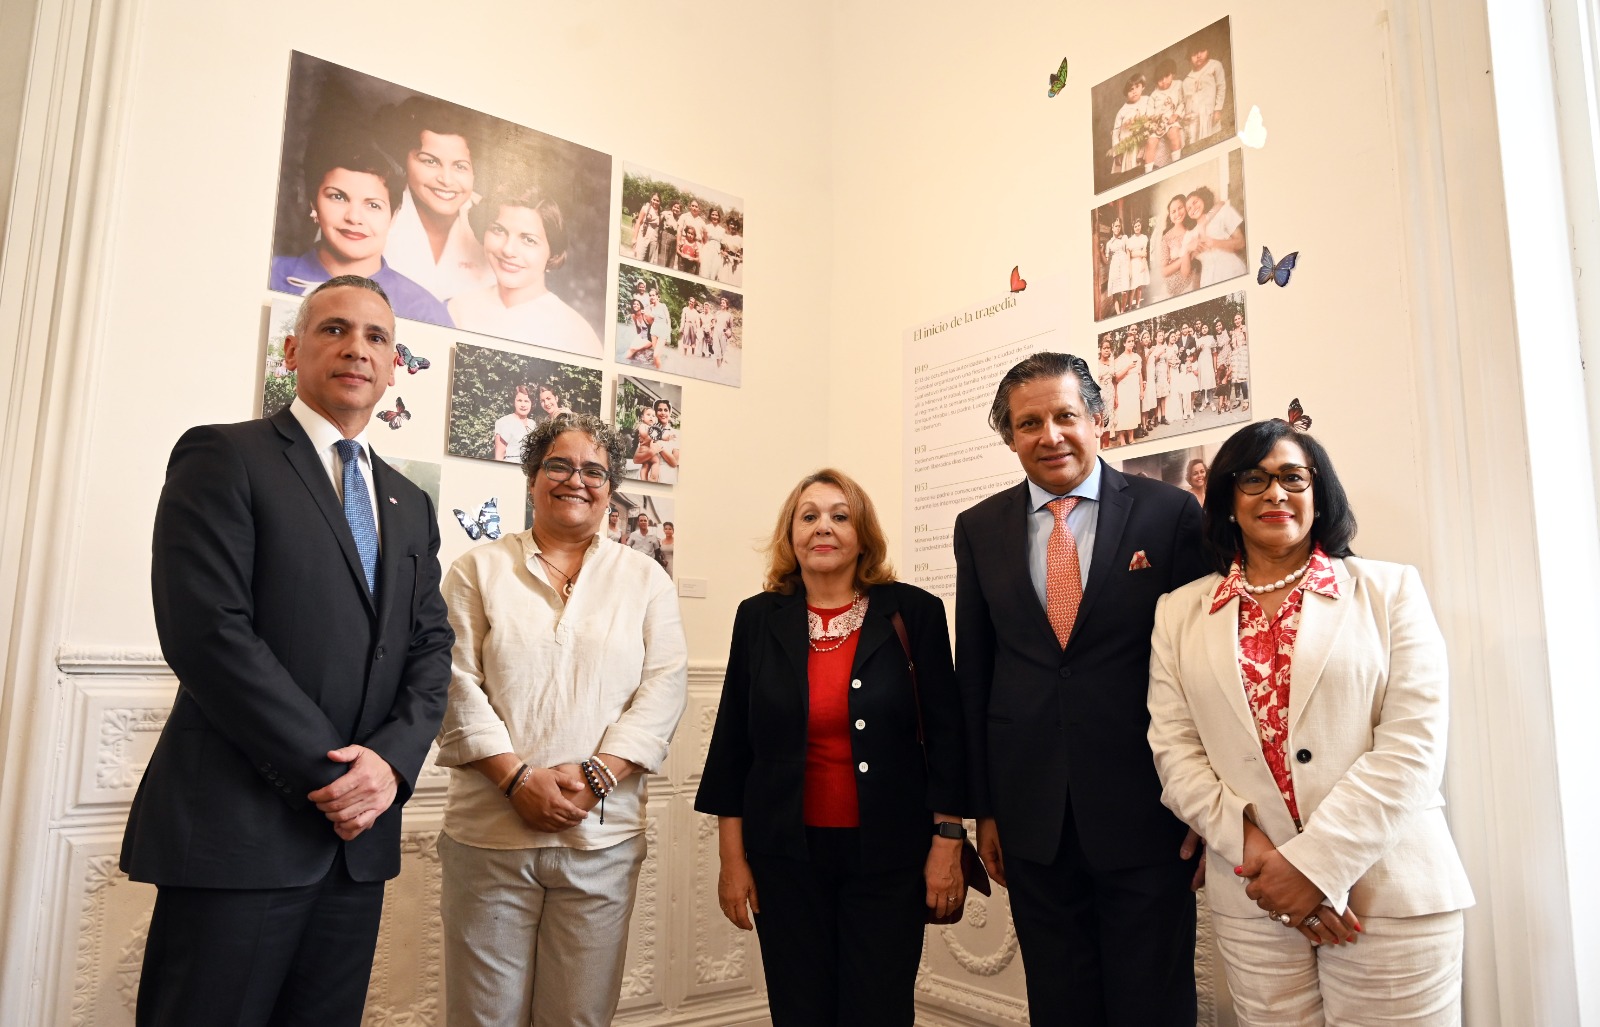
{"type": "Point", "coordinates": [1367, 721]}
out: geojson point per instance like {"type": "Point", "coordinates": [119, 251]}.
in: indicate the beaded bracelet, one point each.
{"type": "Point", "coordinates": [611, 778]}
{"type": "Point", "coordinates": [600, 780]}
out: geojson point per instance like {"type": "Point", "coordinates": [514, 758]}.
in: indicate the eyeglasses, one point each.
{"type": "Point", "coordinates": [1255, 481]}
{"type": "Point", "coordinates": [593, 476]}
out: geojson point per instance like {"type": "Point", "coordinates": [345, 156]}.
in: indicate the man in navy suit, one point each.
{"type": "Point", "coordinates": [1056, 586]}
{"type": "Point", "coordinates": [295, 579]}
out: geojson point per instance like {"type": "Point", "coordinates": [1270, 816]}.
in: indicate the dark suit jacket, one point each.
{"type": "Point", "coordinates": [280, 654]}
{"type": "Point", "coordinates": [755, 767]}
{"type": "Point", "coordinates": [1045, 726]}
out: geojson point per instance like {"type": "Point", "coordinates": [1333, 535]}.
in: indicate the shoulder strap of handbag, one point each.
{"type": "Point", "coordinates": [911, 668]}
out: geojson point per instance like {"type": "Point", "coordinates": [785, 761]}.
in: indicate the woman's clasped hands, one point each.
{"type": "Point", "coordinates": [1288, 896]}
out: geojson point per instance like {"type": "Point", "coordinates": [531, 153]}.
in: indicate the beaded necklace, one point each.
{"type": "Point", "coordinates": [840, 628]}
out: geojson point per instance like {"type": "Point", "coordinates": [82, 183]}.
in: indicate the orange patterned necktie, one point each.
{"type": "Point", "coordinates": [1063, 581]}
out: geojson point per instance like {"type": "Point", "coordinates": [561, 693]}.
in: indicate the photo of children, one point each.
{"type": "Point", "coordinates": [1174, 373]}
{"type": "Point", "coordinates": [1170, 105]}
{"type": "Point", "coordinates": [652, 411]}
{"type": "Point", "coordinates": [466, 220]}
{"type": "Point", "coordinates": [679, 326]}
{"type": "Point", "coordinates": [681, 226]}
{"type": "Point", "coordinates": [1181, 234]}
{"type": "Point", "coordinates": [497, 397]}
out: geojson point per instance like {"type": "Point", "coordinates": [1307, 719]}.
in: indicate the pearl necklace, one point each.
{"type": "Point", "coordinates": [840, 627]}
{"type": "Point", "coordinates": [1262, 590]}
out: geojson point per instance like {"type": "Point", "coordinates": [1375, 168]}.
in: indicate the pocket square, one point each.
{"type": "Point", "coordinates": [1140, 562]}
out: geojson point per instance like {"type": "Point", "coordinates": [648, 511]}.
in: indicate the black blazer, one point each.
{"type": "Point", "coordinates": [755, 767]}
{"type": "Point", "coordinates": [264, 616]}
{"type": "Point", "coordinates": [1045, 726]}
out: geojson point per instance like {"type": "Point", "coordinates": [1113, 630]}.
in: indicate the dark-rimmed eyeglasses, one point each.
{"type": "Point", "coordinates": [1255, 481]}
{"type": "Point", "coordinates": [593, 476]}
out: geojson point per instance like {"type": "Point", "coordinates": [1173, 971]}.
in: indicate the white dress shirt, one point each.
{"type": "Point", "coordinates": [325, 436]}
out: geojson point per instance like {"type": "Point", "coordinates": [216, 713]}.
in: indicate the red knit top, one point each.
{"type": "Point", "coordinates": [830, 783]}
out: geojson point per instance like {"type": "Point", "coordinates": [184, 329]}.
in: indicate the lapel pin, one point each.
{"type": "Point", "coordinates": [395, 501]}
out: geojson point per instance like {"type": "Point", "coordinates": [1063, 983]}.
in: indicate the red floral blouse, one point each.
{"type": "Point", "coordinates": [1266, 654]}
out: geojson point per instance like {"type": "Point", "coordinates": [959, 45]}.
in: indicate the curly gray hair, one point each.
{"type": "Point", "coordinates": [618, 445]}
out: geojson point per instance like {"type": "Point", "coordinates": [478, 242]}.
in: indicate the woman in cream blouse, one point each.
{"type": "Point", "coordinates": [568, 678]}
{"type": "Point", "coordinates": [1298, 720]}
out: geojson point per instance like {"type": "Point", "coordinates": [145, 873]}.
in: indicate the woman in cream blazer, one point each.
{"type": "Point", "coordinates": [1298, 704]}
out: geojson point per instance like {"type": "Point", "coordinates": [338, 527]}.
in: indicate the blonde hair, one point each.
{"type": "Point", "coordinates": [872, 566]}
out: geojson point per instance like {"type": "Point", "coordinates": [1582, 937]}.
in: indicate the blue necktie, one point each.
{"type": "Point", "coordinates": [358, 511]}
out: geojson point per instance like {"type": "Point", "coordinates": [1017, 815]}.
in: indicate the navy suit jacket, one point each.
{"type": "Point", "coordinates": [1046, 727]}
{"type": "Point", "coordinates": [281, 655]}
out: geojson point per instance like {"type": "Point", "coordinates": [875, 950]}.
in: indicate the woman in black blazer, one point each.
{"type": "Point", "coordinates": [837, 828]}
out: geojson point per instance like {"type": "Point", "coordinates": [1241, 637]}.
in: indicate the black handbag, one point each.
{"type": "Point", "coordinates": [972, 871]}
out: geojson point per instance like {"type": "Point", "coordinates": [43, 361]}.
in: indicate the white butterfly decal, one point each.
{"type": "Point", "coordinates": [1254, 134]}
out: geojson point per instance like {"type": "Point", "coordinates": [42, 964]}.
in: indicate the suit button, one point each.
{"type": "Point", "coordinates": [861, 725]}
{"type": "Point", "coordinates": [862, 766]}
{"type": "Point", "coordinates": [856, 683]}
{"type": "Point", "coordinates": [1304, 755]}
{"type": "Point", "coordinates": [1066, 672]}
{"type": "Point", "coordinates": [379, 654]}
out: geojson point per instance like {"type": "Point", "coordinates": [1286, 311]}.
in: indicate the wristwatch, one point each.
{"type": "Point", "coordinates": [945, 829]}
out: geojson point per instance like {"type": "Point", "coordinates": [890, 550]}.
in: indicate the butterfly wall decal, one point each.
{"type": "Point", "coordinates": [1298, 419]}
{"type": "Point", "coordinates": [485, 523]}
{"type": "Point", "coordinates": [396, 417]}
{"type": "Point", "coordinates": [1278, 272]}
{"type": "Point", "coordinates": [1254, 133]}
{"type": "Point", "coordinates": [1058, 81]}
{"type": "Point", "coordinates": [403, 357]}
{"type": "Point", "coordinates": [1018, 283]}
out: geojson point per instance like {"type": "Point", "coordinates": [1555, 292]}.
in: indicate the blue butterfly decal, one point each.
{"type": "Point", "coordinates": [396, 417]}
{"type": "Point", "coordinates": [485, 523]}
{"type": "Point", "coordinates": [403, 357]}
{"type": "Point", "coordinates": [1279, 271]}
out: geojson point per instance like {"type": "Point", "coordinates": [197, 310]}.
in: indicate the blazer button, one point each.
{"type": "Point", "coordinates": [861, 725]}
{"type": "Point", "coordinates": [856, 683]}
{"type": "Point", "coordinates": [379, 654]}
{"type": "Point", "coordinates": [1066, 672]}
{"type": "Point", "coordinates": [1304, 755]}
{"type": "Point", "coordinates": [862, 766]}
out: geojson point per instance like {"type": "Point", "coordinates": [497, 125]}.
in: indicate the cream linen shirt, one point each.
{"type": "Point", "coordinates": [556, 683]}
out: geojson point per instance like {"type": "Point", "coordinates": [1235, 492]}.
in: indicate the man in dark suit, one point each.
{"type": "Point", "coordinates": [1056, 586]}
{"type": "Point", "coordinates": [295, 579]}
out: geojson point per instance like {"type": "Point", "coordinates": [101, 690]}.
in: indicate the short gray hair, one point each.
{"type": "Point", "coordinates": [618, 445]}
{"type": "Point", "coordinates": [302, 317]}
{"type": "Point", "coordinates": [1043, 364]}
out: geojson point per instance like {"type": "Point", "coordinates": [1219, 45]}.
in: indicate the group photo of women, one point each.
{"type": "Point", "coordinates": [1171, 104]}
{"type": "Point", "coordinates": [466, 220]}
{"type": "Point", "coordinates": [1175, 373]}
{"type": "Point", "coordinates": [681, 226]}
{"type": "Point", "coordinates": [679, 326]}
{"type": "Point", "coordinates": [1181, 234]}
{"type": "Point", "coordinates": [497, 397]}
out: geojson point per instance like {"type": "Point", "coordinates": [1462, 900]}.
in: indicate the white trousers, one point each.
{"type": "Point", "coordinates": [1404, 970]}
{"type": "Point", "coordinates": [535, 936]}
